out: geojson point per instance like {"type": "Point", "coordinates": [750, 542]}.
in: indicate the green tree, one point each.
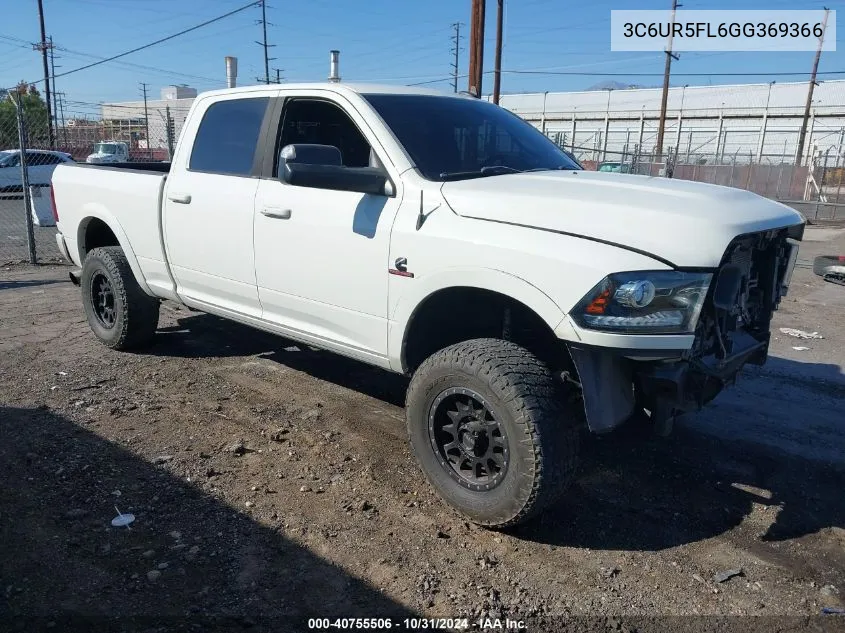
{"type": "Point", "coordinates": [35, 116]}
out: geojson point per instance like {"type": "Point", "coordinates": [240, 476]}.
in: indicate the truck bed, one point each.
{"type": "Point", "coordinates": [154, 166]}
{"type": "Point", "coordinates": [127, 197]}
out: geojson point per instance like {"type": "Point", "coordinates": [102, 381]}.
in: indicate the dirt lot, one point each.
{"type": "Point", "coordinates": [272, 483]}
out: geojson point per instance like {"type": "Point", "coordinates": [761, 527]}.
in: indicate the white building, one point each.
{"type": "Point", "coordinates": [736, 122]}
{"type": "Point", "coordinates": [127, 119]}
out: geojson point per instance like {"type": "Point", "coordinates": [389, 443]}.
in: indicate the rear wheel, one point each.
{"type": "Point", "coordinates": [493, 430]}
{"type": "Point", "coordinates": [119, 313]}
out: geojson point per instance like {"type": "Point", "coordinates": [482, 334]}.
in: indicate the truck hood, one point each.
{"type": "Point", "coordinates": [681, 222]}
{"type": "Point", "coordinates": [101, 157]}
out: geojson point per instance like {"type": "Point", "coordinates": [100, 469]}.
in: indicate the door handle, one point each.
{"type": "Point", "coordinates": [180, 198]}
{"type": "Point", "coordinates": [278, 214]}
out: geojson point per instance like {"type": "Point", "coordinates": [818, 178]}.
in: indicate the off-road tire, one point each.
{"type": "Point", "coordinates": [541, 418]}
{"type": "Point", "coordinates": [135, 312]}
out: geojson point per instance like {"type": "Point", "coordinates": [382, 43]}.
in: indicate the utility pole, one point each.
{"type": "Point", "coordinates": [264, 44]}
{"type": "Point", "coordinates": [146, 121]}
{"type": "Point", "coordinates": [476, 48]}
{"type": "Point", "coordinates": [497, 76]}
{"type": "Point", "coordinates": [53, 75]}
{"type": "Point", "coordinates": [661, 129]}
{"type": "Point", "coordinates": [60, 97]}
{"type": "Point", "coordinates": [802, 134]}
{"type": "Point", "coordinates": [43, 46]}
{"type": "Point", "coordinates": [456, 38]}
{"type": "Point", "coordinates": [278, 75]}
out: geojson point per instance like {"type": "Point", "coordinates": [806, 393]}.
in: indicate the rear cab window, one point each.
{"type": "Point", "coordinates": [228, 137]}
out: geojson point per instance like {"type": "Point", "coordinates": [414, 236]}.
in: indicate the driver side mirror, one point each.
{"type": "Point", "coordinates": [321, 167]}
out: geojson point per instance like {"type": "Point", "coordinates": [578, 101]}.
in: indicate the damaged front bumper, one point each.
{"type": "Point", "coordinates": [676, 375]}
{"type": "Point", "coordinates": [618, 383]}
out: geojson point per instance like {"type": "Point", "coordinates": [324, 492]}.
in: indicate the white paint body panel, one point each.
{"type": "Point", "coordinates": [321, 275]}
{"type": "Point", "coordinates": [688, 223]}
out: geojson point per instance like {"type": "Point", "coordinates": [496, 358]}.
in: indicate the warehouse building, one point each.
{"type": "Point", "coordinates": [125, 121]}
{"type": "Point", "coordinates": [705, 124]}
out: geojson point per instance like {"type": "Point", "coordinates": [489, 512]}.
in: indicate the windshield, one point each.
{"type": "Point", "coordinates": [8, 158]}
{"type": "Point", "coordinates": [105, 148]}
{"type": "Point", "coordinates": [451, 138]}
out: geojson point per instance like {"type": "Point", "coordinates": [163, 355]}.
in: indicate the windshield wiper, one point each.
{"type": "Point", "coordinates": [490, 170]}
{"type": "Point", "coordinates": [558, 168]}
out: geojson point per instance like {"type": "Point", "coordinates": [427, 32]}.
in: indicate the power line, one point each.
{"type": "Point", "coordinates": [163, 71]}
{"type": "Point", "coordinates": [159, 41]}
{"type": "Point", "coordinates": [574, 73]}
{"type": "Point", "coordinates": [704, 74]}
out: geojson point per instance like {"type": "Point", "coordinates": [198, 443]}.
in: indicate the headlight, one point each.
{"type": "Point", "coordinates": [662, 302]}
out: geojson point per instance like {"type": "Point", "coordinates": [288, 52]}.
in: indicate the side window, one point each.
{"type": "Point", "coordinates": [34, 159]}
{"type": "Point", "coordinates": [323, 123]}
{"type": "Point", "coordinates": [228, 136]}
{"type": "Point", "coordinates": [49, 159]}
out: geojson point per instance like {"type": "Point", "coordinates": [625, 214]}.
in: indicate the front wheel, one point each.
{"type": "Point", "coordinates": [493, 430]}
{"type": "Point", "coordinates": [119, 313]}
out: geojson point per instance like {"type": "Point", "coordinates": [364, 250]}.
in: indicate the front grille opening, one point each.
{"type": "Point", "coordinates": [745, 293]}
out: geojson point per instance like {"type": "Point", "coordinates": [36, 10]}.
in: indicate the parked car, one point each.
{"type": "Point", "coordinates": [441, 237]}
{"type": "Point", "coordinates": [40, 166]}
{"type": "Point", "coordinates": [109, 152]}
{"type": "Point", "coordinates": [614, 167]}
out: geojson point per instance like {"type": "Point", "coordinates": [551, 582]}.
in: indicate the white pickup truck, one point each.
{"type": "Point", "coordinates": [441, 237]}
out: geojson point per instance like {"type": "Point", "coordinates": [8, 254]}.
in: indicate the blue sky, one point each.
{"type": "Point", "coordinates": [395, 41]}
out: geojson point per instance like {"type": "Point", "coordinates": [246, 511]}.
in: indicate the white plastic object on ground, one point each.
{"type": "Point", "coordinates": [122, 520]}
{"type": "Point", "coordinates": [42, 209]}
{"type": "Point", "coordinates": [799, 333]}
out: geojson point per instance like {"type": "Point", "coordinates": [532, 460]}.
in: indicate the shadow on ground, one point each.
{"type": "Point", "coordinates": [633, 493]}
{"type": "Point", "coordinates": [205, 336]}
{"type": "Point", "coordinates": [14, 285]}
{"type": "Point", "coordinates": [189, 561]}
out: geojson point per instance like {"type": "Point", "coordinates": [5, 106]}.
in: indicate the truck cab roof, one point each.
{"type": "Point", "coordinates": [338, 87]}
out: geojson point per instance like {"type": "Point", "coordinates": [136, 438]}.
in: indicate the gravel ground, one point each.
{"type": "Point", "coordinates": [271, 483]}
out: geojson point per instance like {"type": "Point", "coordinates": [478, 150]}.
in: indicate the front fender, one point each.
{"type": "Point", "coordinates": [97, 211]}
{"type": "Point", "coordinates": [415, 291]}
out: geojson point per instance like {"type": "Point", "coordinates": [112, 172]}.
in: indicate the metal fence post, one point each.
{"type": "Point", "coordinates": [169, 133]}
{"type": "Point", "coordinates": [822, 197]}
{"type": "Point", "coordinates": [750, 167]}
{"type": "Point", "coordinates": [642, 130]}
{"type": "Point", "coordinates": [27, 201]}
{"type": "Point", "coordinates": [719, 148]}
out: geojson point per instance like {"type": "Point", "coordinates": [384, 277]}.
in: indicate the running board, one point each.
{"type": "Point", "coordinates": [75, 276]}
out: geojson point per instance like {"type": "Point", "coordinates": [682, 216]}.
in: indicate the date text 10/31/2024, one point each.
{"type": "Point", "coordinates": [415, 624]}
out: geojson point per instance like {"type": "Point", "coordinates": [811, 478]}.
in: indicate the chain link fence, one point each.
{"type": "Point", "coordinates": [816, 188]}
{"type": "Point", "coordinates": [27, 225]}
{"type": "Point", "coordinates": [27, 231]}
